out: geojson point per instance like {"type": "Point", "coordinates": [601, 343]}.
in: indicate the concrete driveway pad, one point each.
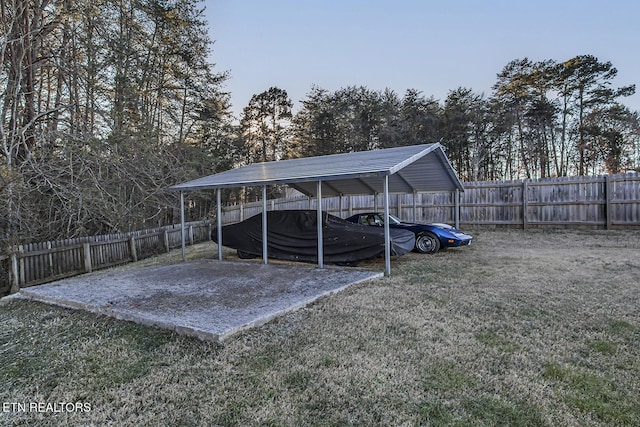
{"type": "Point", "coordinates": [206, 299]}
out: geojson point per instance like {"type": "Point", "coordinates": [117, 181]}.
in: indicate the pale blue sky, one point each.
{"type": "Point", "coordinates": [431, 46]}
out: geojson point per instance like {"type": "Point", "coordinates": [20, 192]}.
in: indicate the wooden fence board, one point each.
{"type": "Point", "coordinates": [38, 263]}
{"type": "Point", "coordinates": [5, 274]}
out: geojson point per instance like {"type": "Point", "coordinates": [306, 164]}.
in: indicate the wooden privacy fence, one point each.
{"type": "Point", "coordinates": [36, 263]}
{"type": "Point", "coordinates": [609, 201]}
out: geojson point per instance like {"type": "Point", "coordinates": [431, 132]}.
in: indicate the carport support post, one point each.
{"type": "Point", "coordinates": [264, 225]}
{"type": "Point", "coordinates": [387, 238]}
{"type": "Point", "coordinates": [219, 221]}
{"type": "Point", "coordinates": [319, 223]}
{"type": "Point", "coordinates": [182, 224]}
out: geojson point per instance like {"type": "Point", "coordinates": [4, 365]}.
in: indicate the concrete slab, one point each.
{"type": "Point", "coordinates": [210, 300]}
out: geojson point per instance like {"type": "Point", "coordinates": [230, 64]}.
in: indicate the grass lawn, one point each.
{"type": "Point", "coordinates": [522, 328]}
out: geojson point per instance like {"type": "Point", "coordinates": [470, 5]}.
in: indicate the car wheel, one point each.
{"type": "Point", "coordinates": [245, 255]}
{"type": "Point", "coordinates": [427, 243]}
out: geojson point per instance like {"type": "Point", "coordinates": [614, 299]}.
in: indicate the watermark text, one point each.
{"type": "Point", "coordinates": [46, 407]}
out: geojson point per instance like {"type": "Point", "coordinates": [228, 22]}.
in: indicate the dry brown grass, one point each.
{"type": "Point", "coordinates": [521, 328]}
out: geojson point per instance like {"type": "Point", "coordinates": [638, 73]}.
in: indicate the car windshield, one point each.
{"type": "Point", "coordinates": [393, 220]}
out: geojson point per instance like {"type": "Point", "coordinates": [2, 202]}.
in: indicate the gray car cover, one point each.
{"type": "Point", "coordinates": [292, 235]}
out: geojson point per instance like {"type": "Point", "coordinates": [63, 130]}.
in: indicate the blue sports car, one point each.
{"type": "Point", "coordinates": [430, 238]}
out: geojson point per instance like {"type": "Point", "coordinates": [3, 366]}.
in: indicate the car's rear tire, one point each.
{"type": "Point", "coordinates": [427, 243]}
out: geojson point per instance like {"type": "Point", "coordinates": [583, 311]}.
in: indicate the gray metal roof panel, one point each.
{"type": "Point", "coordinates": [424, 168]}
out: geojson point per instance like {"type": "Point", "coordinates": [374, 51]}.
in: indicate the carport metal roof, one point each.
{"type": "Point", "coordinates": [414, 168]}
{"type": "Point", "coordinates": [409, 169]}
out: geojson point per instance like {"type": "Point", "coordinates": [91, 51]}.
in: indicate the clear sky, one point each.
{"type": "Point", "coordinates": [430, 46]}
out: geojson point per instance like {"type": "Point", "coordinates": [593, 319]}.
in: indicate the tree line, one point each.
{"type": "Point", "coordinates": [542, 119]}
{"type": "Point", "coordinates": [106, 103]}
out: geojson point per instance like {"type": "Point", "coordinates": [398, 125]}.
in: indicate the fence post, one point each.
{"type": "Point", "coordinates": [415, 206]}
{"type": "Point", "coordinates": [132, 249]}
{"type": "Point", "coordinates": [15, 285]}
{"type": "Point", "coordinates": [21, 268]}
{"type": "Point", "coordinates": [191, 234]}
{"type": "Point", "coordinates": [50, 259]}
{"type": "Point", "coordinates": [165, 239]}
{"type": "Point", "coordinates": [87, 257]}
{"type": "Point", "coordinates": [525, 205]}
{"type": "Point", "coordinates": [607, 206]}
{"type": "Point", "coordinates": [456, 203]}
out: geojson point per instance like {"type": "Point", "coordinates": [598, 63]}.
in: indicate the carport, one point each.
{"type": "Point", "coordinates": [401, 170]}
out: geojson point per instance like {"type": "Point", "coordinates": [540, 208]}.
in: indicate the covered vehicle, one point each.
{"type": "Point", "coordinates": [292, 235]}
{"type": "Point", "coordinates": [430, 238]}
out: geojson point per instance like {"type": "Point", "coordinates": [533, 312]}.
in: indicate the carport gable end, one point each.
{"type": "Point", "coordinates": [408, 169]}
